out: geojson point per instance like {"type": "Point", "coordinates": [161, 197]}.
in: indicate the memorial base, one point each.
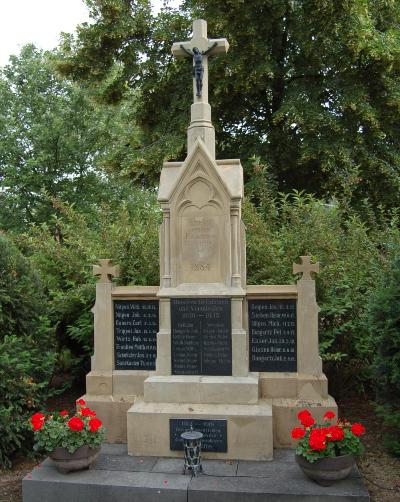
{"type": "Point", "coordinates": [202, 389]}
{"type": "Point", "coordinates": [112, 412]}
{"type": "Point", "coordinates": [249, 428]}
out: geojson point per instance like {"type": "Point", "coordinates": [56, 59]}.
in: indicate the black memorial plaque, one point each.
{"type": "Point", "coordinates": [201, 336]}
{"type": "Point", "coordinates": [214, 431]}
{"type": "Point", "coordinates": [135, 333]}
{"type": "Point", "coordinates": [273, 335]}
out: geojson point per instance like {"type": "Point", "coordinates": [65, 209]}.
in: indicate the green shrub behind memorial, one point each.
{"type": "Point", "coordinates": [26, 349]}
{"type": "Point", "coordinates": [351, 253]}
{"type": "Point", "coordinates": [384, 327]}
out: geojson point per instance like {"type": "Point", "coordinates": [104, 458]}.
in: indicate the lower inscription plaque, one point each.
{"type": "Point", "coordinates": [201, 336]}
{"type": "Point", "coordinates": [214, 431]}
{"type": "Point", "coordinates": [273, 336]}
{"type": "Point", "coordinates": [135, 333]}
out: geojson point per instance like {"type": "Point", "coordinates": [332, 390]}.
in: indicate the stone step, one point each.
{"type": "Point", "coordinates": [249, 428]}
{"type": "Point", "coordinates": [115, 476]}
{"type": "Point", "coordinates": [202, 389]}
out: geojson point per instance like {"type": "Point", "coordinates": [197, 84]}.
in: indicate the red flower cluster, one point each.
{"type": "Point", "coordinates": [76, 424]}
{"type": "Point", "coordinates": [64, 413]}
{"type": "Point", "coordinates": [87, 412]}
{"type": "Point", "coordinates": [317, 440]}
{"type": "Point", "coordinates": [298, 433]}
{"type": "Point", "coordinates": [37, 421]}
{"type": "Point", "coordinates": [94, 424]}
{"type": "Point", "coordinates": [320, 436]}
{"type": "Point", "coordinates": [306, 418]}
{"type": "Point", "coordinates": [357, 429]}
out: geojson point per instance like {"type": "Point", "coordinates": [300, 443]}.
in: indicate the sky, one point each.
{"type": "Point", "coordinates": [40, 22]}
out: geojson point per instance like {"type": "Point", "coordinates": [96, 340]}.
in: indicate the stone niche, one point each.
{"type": "Point", "coordinates": [201, 237]}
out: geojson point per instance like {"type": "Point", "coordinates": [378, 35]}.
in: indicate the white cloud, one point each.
{"type": "Point", "coordinates": [41, 21]}
{"type": "Point", "coordinates": [37, 21]}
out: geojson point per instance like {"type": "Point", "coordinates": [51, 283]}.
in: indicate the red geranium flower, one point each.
{"type": "Point", "coordinates": [95, 424]}
{"type": "Point", "coordinates": [335, 433]}
{"type": "Point", "coordinates": [37, 421]}
{"type": "Point", "coordinates": [76, 424]}
{"type": "Point", "coordinates": [298, 433]}
{"type": "Point", "coordinates": [64, 413]}
{"type": "Point", "coordinates": [307, 421]}
{"type": "Point", "coordinates": [329, 415]}
{"type": "Point", "coordinates": [87, 412]}
{"type": "Point", "coordinates": [357, 429]}
{"type": "Point", "coordinates": [302, 414]}
{"type": "Point", "coordinates": [81, 402]}
{"type": "Point", "coordinates": [317, 440]}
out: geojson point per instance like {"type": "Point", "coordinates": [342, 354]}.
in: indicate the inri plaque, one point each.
{"type": "Point", "coordinates": [201, 336]}
{"type": "Point", "coordinates": [135, 333]}
{"type": "Point", "coordinates": [273, 337]}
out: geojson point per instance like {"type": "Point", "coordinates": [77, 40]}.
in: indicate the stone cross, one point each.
{"type": "Point", "coordinates": [306, 267]}
{"type": "Point", "coordinates": [206, 47]}
{"type": "Point", "coordinates": [106, 271]}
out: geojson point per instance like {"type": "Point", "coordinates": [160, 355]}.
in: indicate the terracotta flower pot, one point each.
{"type": "Point", "coordinates": [326, 471]}
{"type": "Point", "coordinates": [80, 459]}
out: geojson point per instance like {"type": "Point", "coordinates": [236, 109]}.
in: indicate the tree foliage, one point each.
{"type": "Point", "coordinates": [49, 139]}
{"type": "Point", "coordinates": [311, 87]}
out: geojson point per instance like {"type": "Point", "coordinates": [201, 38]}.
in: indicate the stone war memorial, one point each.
{"type": "Point", "coordinates": [204, 348]}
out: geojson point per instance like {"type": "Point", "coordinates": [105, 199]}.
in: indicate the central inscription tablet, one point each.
{"type": "Point", "coordinates": [201, 336]}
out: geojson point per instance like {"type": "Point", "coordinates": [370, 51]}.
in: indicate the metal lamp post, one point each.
{"type": "Point", "coordinates": [192, 446]}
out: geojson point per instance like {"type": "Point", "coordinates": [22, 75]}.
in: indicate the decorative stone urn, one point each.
{"type": "Point", "coordinates": [81, 459]}
{"type": "Point", "coordinates": [325, 471]}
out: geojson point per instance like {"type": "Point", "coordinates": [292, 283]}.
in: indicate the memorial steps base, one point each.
{"type": "Point", "coordinates": [249, 428]}
{"type": "Point", "coordinates": [202, 389]}
{"type": "Point", "coordinates": [116, 476]}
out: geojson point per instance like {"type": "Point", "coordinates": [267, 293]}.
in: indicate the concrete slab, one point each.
{"type": "Point", "coordinates": [48, 485]}
{"type": "Point", "coordinates": [297, 489]}
{"type": "Point", "coordinates": [118, 476]}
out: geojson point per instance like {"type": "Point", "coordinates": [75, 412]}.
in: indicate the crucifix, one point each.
{"type": "Point", "coordinates": [200, 48]}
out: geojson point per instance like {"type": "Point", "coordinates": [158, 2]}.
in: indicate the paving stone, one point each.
{"type": "Point", "coordinates": [48, 485]}
{"type": "Point", "coordinates": [124, 463]}
{"type": "Point", "coordinates": [220, 467]}
{"type": "Point", "coordinates": [114, 449]}
{"type": "Point", "coordinates": [298, 489]}
{"type": "Point", "coordinates": [169, 465]}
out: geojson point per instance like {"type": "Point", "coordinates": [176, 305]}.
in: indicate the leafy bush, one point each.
{"type": "Point", "coordinates": [26, 349]}
{"type": "Point", "coordinates": [351, 253]}
{"type": "Point", "coordinates": [21, 296]}
{"type": "Point", "coordinates": [125, 231]}
{"type": "Point", "coordinates": [384, 327]}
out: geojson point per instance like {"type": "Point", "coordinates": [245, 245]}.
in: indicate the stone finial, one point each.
{"type": "Point", "coordinates": [106, 271]}
{"type": "Point", "coordinates": [306, 267]}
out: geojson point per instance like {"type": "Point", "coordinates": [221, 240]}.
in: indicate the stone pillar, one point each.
{"type": "Point", "coordinates": [99, 380]}
{"type": "Point", "coordinates": [308, 359]}
{"type": "Point", "coordinates": [163, 361]}
{"type": "Point", "coordinates": [235, 248]}
{"type": "Point", "coordinates": [240, 355]}
{"type": "Point", "coordinates": [166, 279]}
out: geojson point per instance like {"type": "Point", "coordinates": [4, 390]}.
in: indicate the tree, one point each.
{"type": "Point", "coordinates": [310, 87]}
{"type": "Point", "coordinates": [49, 140]}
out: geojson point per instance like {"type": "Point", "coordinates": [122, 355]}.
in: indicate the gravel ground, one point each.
{"type": "Point", "coordinates": [380, 470]}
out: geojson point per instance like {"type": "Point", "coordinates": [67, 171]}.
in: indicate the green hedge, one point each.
{"type": "Point", "coordinates": [26, 349]}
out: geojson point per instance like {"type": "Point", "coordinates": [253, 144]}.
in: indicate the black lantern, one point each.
{"type": "Point", "coordinates": [192, 446]}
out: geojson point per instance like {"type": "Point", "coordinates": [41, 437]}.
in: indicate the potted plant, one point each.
{"type": "Point", "coordinates": [73, 442]}
{"type": "Point", "coordinates": [325, 452]}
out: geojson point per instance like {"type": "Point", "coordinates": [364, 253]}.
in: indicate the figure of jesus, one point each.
{"type": "Point", "coordinates": [198, 68]}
